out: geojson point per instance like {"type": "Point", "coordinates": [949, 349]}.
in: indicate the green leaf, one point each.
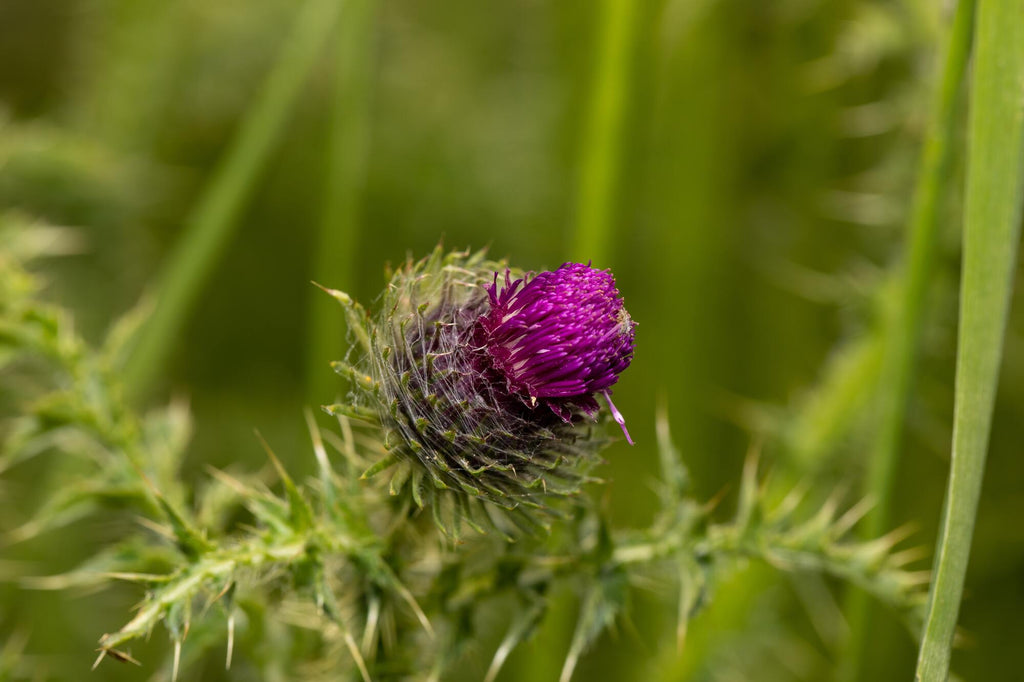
{"type": "Point", "coordinates": [380, 465]}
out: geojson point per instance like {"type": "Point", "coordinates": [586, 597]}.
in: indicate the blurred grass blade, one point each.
{"type": "Point", "coordinates": [209, 228]}
{"type": "Point", "coordinates": [346, 171]}
{"type": "Point", "coordinates": [598, 175]}
{"type": "Point", "coordinates": [603, 131]}
{"type": "Point", "coordinates": [905, 318]}
{"type": "Point", "coordinates": [995, 170]}
{"type": "Point", "coordinates": [905, 326]}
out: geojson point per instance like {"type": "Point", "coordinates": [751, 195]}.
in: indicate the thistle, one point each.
{"type": "Point", "coordinates": [484, 378]}
{"type": "Point", "coordinates": [511, 370]}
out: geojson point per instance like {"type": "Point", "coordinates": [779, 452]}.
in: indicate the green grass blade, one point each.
{"type": "Point", "coordinates": [603, 133]}
{"type": "Point", "coordinates": [995, 170]}
{"type": "Point", "coordinates": [904, 323]}
{"type": "Point", "coordinates": [346, 172]}
{"type": "Point", "coordinates": [907, 321]}
{"type": "Point", "coordinates": [600, 160]}
{"type": "Point", "coordinates": [210, 226]}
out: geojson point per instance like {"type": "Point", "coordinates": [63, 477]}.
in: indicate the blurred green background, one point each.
{"type": "Point", "coordinates": [745, 168]}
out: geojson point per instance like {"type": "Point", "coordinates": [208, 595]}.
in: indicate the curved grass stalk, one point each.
{"type": "Point", "coordinates": [992, 218]}
{"type": "Point", "coordinates": [209, 228]}
{"type": "Point", "coordinates": [906, 317]}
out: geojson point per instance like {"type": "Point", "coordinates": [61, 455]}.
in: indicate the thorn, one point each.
{"type": "Point", "coordinates": [224, 591]}
{"type": "Point", "coordinates": [854, 514]}
{"type": "Point", "coordinates": [750, 465]}
{"type": "Point", "coordinates": [716, 499]}
{"type": "Point", "coordinates": [898, 535]}
{"type": "Point", "coordinates": [406, 595]}
{"type": "Point", "coordinates": [347, 439]}
{"type": "Point", "coordinates": [916, 578]}
{"type": "Point", "coordinates": [908, 556]}
{"type": "Point", "coordinates": [116, 655]}
{"type": "Point", "coordinates": [159, 529]}
{"type": "Point", "coordinates": [270, 454]}
{"type": "Point", "coordinates": [353, 650]}
{"type": "Point", "coordinates": [791, 500]}
{"type": "Point", "coordinates": [231, 641]}
{"type": "Point", "coordinates": [340, 296]}
{"type": "Point", "coordinates": [228, 480]}
{"type": "Point", "coordinates": [318, 442]}
{"type": "Point", "coordinates": [177, 660]}
{"type": "Point", "coordinates": [370, 629]}
{"type": "Point", "coordinates": [134, 577]}
{"type": "Point", "coordinates": [682, 616]}
{"type": "Point", "coordinates": [832, 503]}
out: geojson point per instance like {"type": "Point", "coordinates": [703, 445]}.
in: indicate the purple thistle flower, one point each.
{"type": "Point", "coordinates": [559, 337]}
{"type": "Point", "coordinates": [481, 390]}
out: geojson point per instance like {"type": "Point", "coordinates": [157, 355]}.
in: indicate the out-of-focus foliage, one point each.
{"type": "Point", "coordinates": [767, 156]}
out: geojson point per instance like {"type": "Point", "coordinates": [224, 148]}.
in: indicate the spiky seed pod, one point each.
{"type": "Point", "coordinates": [489, 391]}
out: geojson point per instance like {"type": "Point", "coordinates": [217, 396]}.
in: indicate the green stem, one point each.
{"type": "Point", "coordinates": [601, 150]}
{"type": "Point", "coordinates": [905, 319]}
{"type": "Point", "coordinates": [334, 258]}
{"type": "Point", "coordinates": [211, 224]}
{"type": "Point", "coordinates": [992, 217]}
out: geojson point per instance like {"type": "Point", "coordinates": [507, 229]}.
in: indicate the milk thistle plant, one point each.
{"type": "Point", "coordinates": [474, 386]}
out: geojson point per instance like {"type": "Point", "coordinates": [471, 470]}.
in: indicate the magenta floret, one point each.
{"type": "Point", "coordinates": [559, 337]}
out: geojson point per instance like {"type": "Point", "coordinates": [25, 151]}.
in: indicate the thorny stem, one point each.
{"type": "Point", "coordinates": [725, 542]}
{"type": "Point", "coordinates": [218, 566]}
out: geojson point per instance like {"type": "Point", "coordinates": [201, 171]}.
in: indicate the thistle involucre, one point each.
{"type": "Point", "coordinates": [484, 379]}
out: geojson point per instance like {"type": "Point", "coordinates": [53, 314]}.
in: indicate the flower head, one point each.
{"type": "Point", "coordinates": [559, 337]}
{"type": "Point", "coordinates": [487, 392]}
